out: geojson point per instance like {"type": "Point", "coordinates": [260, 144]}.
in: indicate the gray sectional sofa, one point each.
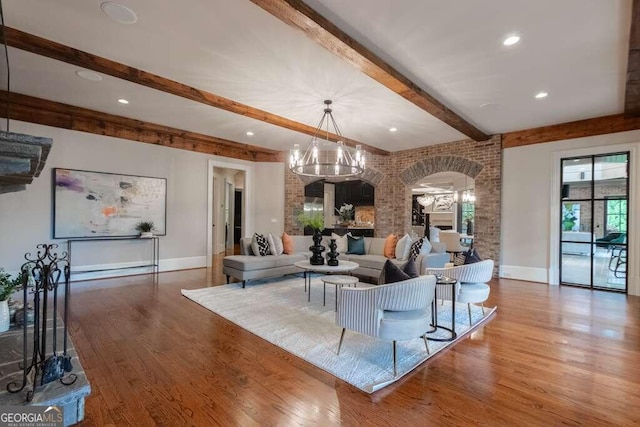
{"type": "Point", "coordinates": [248, 266]}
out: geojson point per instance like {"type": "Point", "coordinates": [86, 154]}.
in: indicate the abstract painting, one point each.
{"type": "Point", "coordinates": [443, 203]}
{"type": "Point", "coordinates": [99, 204]}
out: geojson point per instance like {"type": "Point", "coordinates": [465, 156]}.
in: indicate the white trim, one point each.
{"type": "Point", "coordinates": [247, 194]}
{"type": "Point", "coordinates": [530, 274]}
{"type": "Point", "coordinates": [633, 218]}
{"type": "Point", "coordinates": [124, 268]}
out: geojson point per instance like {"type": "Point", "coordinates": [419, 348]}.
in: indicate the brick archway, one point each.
{"type": "Point", "coordinates": [435, 164]}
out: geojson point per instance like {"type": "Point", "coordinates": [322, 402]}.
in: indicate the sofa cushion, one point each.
{"type": "Point", "coordinates": [342, 243]}
{"type": "Point", "coordinates": [287, 244]}
{"type": "Point", "coordinates": [392, 273]}
{"type": "Point", "coordinates": [355, 245]}
{"type": "Point", "coordinates": [275, 245]}
{"type": "Point", "coordinates": [260, 245]}
{"type": "Point", "coordinates": [390, 246]}
{"type": "Point", "coordinates": [403, 247]}
{"type": "Point", "coordinates": [374, 245]}
{"type": "Point", "coordinates": [249, 262]}
{"type": "Point", "coordinates": [375, 262]}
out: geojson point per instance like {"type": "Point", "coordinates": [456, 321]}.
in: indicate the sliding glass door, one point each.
{"type": "Point", "coordinates": [593, 221]}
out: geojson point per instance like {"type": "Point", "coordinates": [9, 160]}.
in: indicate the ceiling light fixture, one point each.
{"type": "Point", "coordinates": [119, 13]}
{"type": "Point", "coordinates": [468, 196]}
{"type": "Point", "coordinates": [541, 95]}
{"type": "Point", "coordinates": [89, 75]}
{"type": "Point", "coordinates": [249, 133]}
{"type": "Point", "coordinates": [123, 101]}
{"type": "Point", "coordinates": [425, 200]}
{"type": "Point", "coordinates": [325, 158]}
{"type": "Point", "coordinates": [511, 40]}
{"type": "Point", "coordinates": [393, 129]}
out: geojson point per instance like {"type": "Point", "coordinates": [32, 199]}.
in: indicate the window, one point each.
{"type": "Point", "coordinates": [468, 217]}
{"type": "Point", "coordinates": [616, 215]}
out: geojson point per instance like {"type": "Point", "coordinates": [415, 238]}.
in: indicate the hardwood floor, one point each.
{"type": "Point", "coordinates": [549, 356]}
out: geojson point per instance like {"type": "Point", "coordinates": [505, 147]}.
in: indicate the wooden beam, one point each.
{"type": "Point", "coordinates": [50, 113]}
{"type": "Point", "coordinates": [60, 52]}
{"type": "Point", "coordinates": [632, 91]}
{"type": "Point", "coordinates": [297, 14]}
{"type": "Point", "coordinates": [578, 129]}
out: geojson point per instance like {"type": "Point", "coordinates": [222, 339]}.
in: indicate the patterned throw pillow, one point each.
{"type": "Point", "coordinates": [460, 259]}
{"type": "Point", "coordinates": [416, 248]}
{"type": "Point", "coordinates": [260, 245]}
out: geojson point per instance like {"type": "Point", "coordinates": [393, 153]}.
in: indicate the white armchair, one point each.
{"type": "Point", "coordinates": [397, 311]}
{"type": "Point", "coordinates": [472, 284]}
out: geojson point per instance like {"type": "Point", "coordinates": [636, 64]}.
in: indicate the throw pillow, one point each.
{"type": "Point", "coordinates": [420, 246]}
{"type": "Point", "coordinates": [275, 245]}
{"type": "Point", "coordinates": [287, 244]}
{"type": "Point", "coordinates": [355, 245]}
{"type": "Point", "coordinates": [260, 245]}
{"type": "Point", "coordinates": [472, 256]}
{"type": "Point", "coordinates": [390, 246]}
{"type": "Point", "coordinates": [403, 247]}
{"type": "Point", "coordinates": [341, 242]}
{"type": "Point", "coordinates": [391, 273]}
{"type": "Point", "coordinates": [460, 259]}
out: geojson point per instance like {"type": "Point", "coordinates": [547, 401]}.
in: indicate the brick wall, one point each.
{"type": "Point", "coordinates": [479, 160]}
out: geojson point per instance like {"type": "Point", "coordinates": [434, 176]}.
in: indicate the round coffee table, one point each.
{"type": "Point", "coordinates": [336, 280]}
{"type": "Point", "coordinates": [343, 267]}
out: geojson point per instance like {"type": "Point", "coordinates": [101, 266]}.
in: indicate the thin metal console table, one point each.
{"type": "Point", "coordinates": [154, 262]}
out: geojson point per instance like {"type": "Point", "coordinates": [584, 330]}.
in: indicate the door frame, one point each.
{"type": "Point", "coordinates": [247, 220]}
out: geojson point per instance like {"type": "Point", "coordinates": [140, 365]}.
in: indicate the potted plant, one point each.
{"type": "Point", "coordinates": [315, 221]}
{"type": "Point", "coordinates": [145, 228]}
{"type": "Point", "coordinates": [345, 213]}
{"type": "Point", "coordinates": [7, 288]}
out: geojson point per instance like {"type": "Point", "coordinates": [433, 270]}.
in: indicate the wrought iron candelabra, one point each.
{"type": "Point", "coordinates": [45, 269]}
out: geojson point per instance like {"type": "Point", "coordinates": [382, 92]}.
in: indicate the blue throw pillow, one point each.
{"type": "Point", "coordinates": [355, 245]}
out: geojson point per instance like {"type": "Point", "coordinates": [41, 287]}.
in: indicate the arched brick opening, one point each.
{"type": "Point", "coordinates": [434, 164]}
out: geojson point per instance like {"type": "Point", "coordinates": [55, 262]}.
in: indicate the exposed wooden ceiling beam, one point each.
{"type": "Point", "coordinates": [298, 15]}
{"type": "Point", "coordinates": [60, 52]}
{"type": "Point", "coordinates": [632, 92]}
{"type": "Point", "coordinates": [50, 113]}
{"type": "Point", "coordinates": [578, 129]}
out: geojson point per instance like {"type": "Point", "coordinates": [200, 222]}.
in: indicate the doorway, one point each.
{"type": "Point", "coordinates": [593, 218]}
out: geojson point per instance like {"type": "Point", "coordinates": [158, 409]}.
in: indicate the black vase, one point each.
{"type": "Point", "coordinates": [316, 249]}
{"type": "Point", "coordinates": [332, 255]}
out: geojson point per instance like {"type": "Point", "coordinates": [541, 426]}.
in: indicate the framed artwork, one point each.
{"type": "Point", "coordinates": [99, 204]}
{"type": "Point", "coordinates": [570, 217]}
{"type": "Point", "coordinates": [443, 203]}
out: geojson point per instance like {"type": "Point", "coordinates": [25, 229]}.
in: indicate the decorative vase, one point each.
{"type": "Point", "coordinates": [332, 255]}
{"type": "Point", "coordinates": [5, 320]}
{"type": "Point", "coordinates": [316, 249]}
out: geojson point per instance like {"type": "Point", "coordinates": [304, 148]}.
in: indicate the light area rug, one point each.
{"type": "Point", "coordinates": [278, 311]}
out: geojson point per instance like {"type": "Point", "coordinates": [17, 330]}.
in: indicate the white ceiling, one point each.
{"type": "Point", "coordinates": [574, 49]}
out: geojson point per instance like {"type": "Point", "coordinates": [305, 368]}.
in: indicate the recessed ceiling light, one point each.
{"type": "Point", "coordinates": [511, 40]}
{"type": "Point", "coordinates": [541, 95]}
{"type": "Point", "coordinates": [249, 133]}
{"type": "Point", "coordinates": [123, 101]}
{"type": "Point", "coordinates": [393, 129]}
{"type": "Point", "coordinates": [89, 75]}
{"type": "Point", "coordinates": [119, 13]}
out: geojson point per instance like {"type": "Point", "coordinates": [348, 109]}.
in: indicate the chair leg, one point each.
{"type": "Point", "coordinates": [426, 343]}
{"type": "Point", "coordinates": [244, 282]}
{"type": "Point", "coordinates": [394, 359]}
{"type": "Point", "coordinates": [341, 338]}
{"type": "Point", "coordinates": [228, 279]}
{"type": "Point", "coordinates": [469, 308]}
{"type": "Point", "coordinates": [482, 305]}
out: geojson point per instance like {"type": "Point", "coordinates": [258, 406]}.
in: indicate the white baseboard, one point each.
{"type": "Point", "coordinates": [530, 274]}
{"type": "Point", "coordinates": [101, 271]}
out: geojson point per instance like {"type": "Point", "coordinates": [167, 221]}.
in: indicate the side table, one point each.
{"type": "Point", "coordinates": [337, 280]}
{"type": "Point", "coordinates": [343, 267]}
{"type": "Point", "coordinates": [443, 282]}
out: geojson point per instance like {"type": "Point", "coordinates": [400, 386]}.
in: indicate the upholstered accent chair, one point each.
{"type": "Point", "coordinates": [395, 312]}
{"type": "Point", "coordinates": [472, 287]}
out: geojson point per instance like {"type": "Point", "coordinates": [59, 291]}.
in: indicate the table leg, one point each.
{"type": "Point", "coordinates": [309, 289]}
{"type": "Point", "coordinates": [324, 294]}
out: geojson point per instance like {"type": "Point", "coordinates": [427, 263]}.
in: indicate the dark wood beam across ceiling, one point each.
{"type": "Point", "coordinates": [40, 46]}
{"type": "Point", "coordinates": [297, 14]}
{"type": "Point", "coordinates": [41, 111]}
{"type": "Point", "coordinates": [571, 130]}
{"type": "Point", "coordinates": [632, 91]}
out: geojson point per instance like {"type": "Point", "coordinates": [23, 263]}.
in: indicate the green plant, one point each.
{"type": "Point", "coordinates": [345, 212]}
{"type": "Point", "coordinates": [145, 226]}
{"type": "Point", "coordinates": [313, 220]}
{"type": "Point", "coordinates": [7, 286]}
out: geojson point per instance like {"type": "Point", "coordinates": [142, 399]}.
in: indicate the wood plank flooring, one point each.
{"type": "Point", "coordinates": [550, 356]}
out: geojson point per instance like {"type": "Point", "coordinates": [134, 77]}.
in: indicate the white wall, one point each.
{"type": "Point", "coordinates": [26, 216]}
{"type": "Point", "coordinates": [269, 199]}
{"type": "Point", "coordinates": [530, 198]}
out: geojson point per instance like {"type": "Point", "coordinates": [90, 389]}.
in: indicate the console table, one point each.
{"type": "Point", "coordinates": [153, 262]}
